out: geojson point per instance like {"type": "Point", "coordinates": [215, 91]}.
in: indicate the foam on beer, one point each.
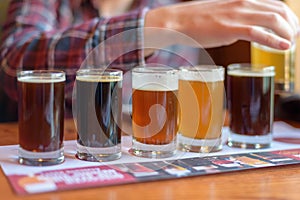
{"type": "Point", "coordinates": [203, 76]}
{"type": "Point", "coordinates": [167, 84]}
{"type": "Point", "coordinates": [155, 87]}
{"type": "Point", "coordinates": [35, 79]}
{"type": "Point", "coordinates": [98, 78]}
{"type": "Point", "coordinates": [251, 73]}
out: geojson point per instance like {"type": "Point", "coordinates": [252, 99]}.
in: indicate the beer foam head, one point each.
{"type": "Point", "coordinates": [94, 78]}
{"type": "Point", "coordinates": [99, 75]}
{"type": "Point", "coordinates": [205, 73]}
{"type": "Point", "coordinates": [41, 76]}
{"type": "Point", "coordinates": [40, 80]}
{"type": "Point", "coordinates": [235, 70]}
{"type": "Point", "coordinates": [155, 79]}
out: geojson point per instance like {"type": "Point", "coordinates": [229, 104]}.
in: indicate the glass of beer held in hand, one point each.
{"type": "Point", "coordinates": [41, 117]}
{"type": "Point", "coordinates": [282, 60]}
{"type": "Point", "coordinates": [154, 111]}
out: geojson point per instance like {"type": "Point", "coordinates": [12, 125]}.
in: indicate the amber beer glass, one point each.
{"type": "Point", "coordinates": [282, 60]}
{"type": "Point", "coordinates": [98, 110]}
{"type": "Point", "coordinates": [202, 108]}
{"type": "Point", "coordinates": [41, 117]}
{"type": "Point", "coordinates": [154, 111]}
{"type": "Point", "coordinates": [250, 93]}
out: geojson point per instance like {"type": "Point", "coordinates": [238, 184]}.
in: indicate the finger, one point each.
{"type": "Point", "coordinates": [261, 36]}
{"type": "Point", "coordinates": [287, 13]}
{"type": "Point", "coordinates": [280, 8]}
{"type": "Point", "coordinates": [271, 21]}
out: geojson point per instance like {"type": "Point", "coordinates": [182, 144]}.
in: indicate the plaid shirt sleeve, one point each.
{"type": "Point", "coordinates": [40, 34]}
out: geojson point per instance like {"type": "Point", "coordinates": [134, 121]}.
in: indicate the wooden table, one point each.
{"type": "Point", "coordinates": [275, 183]}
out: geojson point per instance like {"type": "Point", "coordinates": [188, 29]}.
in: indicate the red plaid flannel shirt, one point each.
{"type": "Point", "coordinates": [57, 34]}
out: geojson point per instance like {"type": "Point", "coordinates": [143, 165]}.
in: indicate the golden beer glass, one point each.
{"type": "Point", "coordinates": [282, 60]}
{"type": "Point", "coordinates": [202, 108]}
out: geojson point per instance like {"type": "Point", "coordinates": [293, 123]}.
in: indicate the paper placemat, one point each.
{"type": "Point", "coordinates": [75, 174]}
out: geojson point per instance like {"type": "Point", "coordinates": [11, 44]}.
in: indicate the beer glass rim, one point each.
{"type": "Point", "coordinates": [202, 68]}
{"type": "Point", "coordinates": [203, 73]}
{"type": "Point", "coordinates": [292, 49]}
{"type": "Point", "coordinates": [248, 69]}
{"type": "Point", "coordinates": [42, 74]}
{"type": "Point", "coordinates": [155, 78]}
{"type": "Point", "coordinates": [154, 70]}
{"type": "Point", "coordinates": [99, 71]}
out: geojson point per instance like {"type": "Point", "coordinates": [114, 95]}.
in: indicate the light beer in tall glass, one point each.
{"type": "Point", "coordinates": [202, 109]}
{"type": "Point", "coordinates": [282, 60]}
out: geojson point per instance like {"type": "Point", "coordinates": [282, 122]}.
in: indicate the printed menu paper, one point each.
{"type": "Point", "coordinates": [77, 174]}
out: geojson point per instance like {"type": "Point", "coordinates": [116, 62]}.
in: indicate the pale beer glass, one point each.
{"type": "Point", "coordinates": [282, 60]}
{"type": "Point", "coordinates": [202, 108]}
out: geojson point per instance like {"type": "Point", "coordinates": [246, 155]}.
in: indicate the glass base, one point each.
{"type": "Point", "coordinates": [153, 151]}
{"type": "Point", "coordinates": [98, 154]}
{"type": "Point", "coordinates": [199, 145]}
{"type": "Point", "coordinates": [41, 158]}
{"type": "Point", "coordinates": [249, 142]}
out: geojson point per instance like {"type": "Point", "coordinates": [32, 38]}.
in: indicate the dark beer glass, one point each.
{"type": "Point", "coordinates": [98, 114]}
{"type": "Point", "coordinates": [154, 111]}
{"type": "Point", "coordinates": [41, 117]}
{"type": "Point", "coordinates": [250, 93]}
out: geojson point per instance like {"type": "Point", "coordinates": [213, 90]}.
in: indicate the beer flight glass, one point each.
{"type": "Point", "coordinates": [98, 107]}
{"type": "Point", "coordinates": [154, 111]}
{"type": "Point", "coordinates": [250, 93]}
{"type": "Point", "coordinates": [41, 117]}
{"type": "Point", "coordinates": [282, 60]}
{"type": "Point", "coordinates": [202, 109]}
